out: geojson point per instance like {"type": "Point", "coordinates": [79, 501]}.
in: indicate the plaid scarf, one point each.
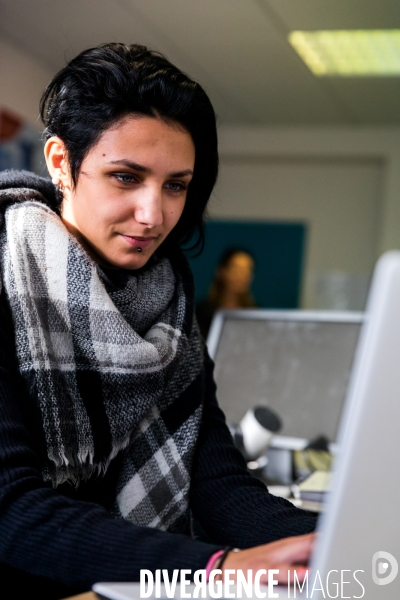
{"type": "Point", "coordinates": [114, 363]}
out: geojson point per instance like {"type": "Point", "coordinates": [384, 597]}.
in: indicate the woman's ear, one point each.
{"type": "Point", "coordinates": [55, 154]}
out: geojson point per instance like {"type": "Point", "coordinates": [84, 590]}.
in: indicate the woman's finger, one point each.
{"type": "Point", "coordinates": [293, 550]}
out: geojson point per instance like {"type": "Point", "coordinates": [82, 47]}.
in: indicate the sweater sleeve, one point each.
{"type": "Point", "coordinates": [45, 534]}
{"type": "Point", "coordinates": [230, 504]}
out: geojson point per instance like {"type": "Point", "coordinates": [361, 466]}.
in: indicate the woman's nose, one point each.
{"type": "Point", "coordinates": [149, 207]}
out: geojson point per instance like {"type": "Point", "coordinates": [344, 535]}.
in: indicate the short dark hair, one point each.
{"type": "Point", "coordinates": [103, 84]}
{"type": "Point", "coordinates": [230, 252]}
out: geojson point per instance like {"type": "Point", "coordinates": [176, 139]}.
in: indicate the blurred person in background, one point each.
{"type": "Point", "coordinates": [230, 287]}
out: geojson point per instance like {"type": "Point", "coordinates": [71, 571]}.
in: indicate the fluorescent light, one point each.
{"type": "Point", "coordinates": [357, 52]}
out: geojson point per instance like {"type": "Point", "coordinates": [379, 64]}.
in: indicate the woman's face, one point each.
{"type": "Point", "coordinates": [131, 191]}
{"type": "Point", "coordinates": [238, 274]}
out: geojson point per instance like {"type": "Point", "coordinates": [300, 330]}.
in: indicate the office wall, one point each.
{"type": "Point", "coordinates": [22, 81]}
{"type": "Point", "coordinates": [342, 182]}
{"type": "Point", "coordinates": [338, 200]}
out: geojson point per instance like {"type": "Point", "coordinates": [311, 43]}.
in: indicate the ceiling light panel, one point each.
{"type": "Point", "coordinates": [349, 53]}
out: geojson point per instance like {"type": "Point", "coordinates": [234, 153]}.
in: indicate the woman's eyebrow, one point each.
{"type": "Point", "coordinates": [136, 167]}
{"type": "Point", "coordinates": [182, 173]}
{"type": "Point", "coordinates": [131, 165]}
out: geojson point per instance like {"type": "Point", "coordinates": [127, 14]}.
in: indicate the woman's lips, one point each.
{"type": "Point", "coordinates": [139, 242]}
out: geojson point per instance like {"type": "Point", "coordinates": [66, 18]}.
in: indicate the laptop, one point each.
{"type": "Point", "coordinates": [357, 553]}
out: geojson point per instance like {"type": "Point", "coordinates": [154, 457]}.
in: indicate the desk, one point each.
{"type": "Point", "coordinates": [134, 593]}
{"type": "Point", "coordinates": [283, 491]}
{"type": "Point", "coordinates": [87, 596]}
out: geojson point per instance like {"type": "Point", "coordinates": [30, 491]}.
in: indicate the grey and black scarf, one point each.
{"type": "Point", "coordinates": [114, 363]}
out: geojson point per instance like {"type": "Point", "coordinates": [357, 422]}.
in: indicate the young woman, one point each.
{"type": "Point", "coordinates": [111, 439]}
{"type": "Point", "coordinates": [230, 287]}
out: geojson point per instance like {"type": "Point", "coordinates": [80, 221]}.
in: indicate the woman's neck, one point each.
{"type": "Point", "coordinates": [230, 300]}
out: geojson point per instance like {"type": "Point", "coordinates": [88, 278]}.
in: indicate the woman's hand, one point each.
{"type": "Point", "coordinates": [288, 555]}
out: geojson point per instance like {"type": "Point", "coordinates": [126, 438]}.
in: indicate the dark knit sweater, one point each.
{"type": "Point", "coordinates": [59, 542]}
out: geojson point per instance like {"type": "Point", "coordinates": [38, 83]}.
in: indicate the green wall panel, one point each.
{"type": "Point", "coordinates": [278, 249]}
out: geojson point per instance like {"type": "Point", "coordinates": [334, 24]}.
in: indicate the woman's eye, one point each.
{"type": "Point", "coordinates": [176, 186]}
{"type": "Point", "coordinates": [125, 178]}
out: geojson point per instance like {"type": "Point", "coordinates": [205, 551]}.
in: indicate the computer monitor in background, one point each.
{"type": "Point", "coordinates": [295, 362]}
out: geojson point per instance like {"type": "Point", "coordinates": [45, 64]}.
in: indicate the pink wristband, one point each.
{"type": "Point", "coordinates": [211, 562]}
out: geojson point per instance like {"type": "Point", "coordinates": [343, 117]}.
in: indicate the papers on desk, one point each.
{"type": "Point", "coordinates": [310, 494]}
{"type": "Point", "coordinates": [315, 486]}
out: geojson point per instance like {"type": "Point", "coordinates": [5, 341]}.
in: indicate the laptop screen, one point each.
{"type": "Point", "coordinates": [296, 362]}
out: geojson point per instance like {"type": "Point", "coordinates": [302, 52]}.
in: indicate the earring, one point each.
{"type": "Point", "coordinates": [57, 182]}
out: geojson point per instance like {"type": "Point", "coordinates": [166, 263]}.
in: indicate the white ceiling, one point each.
{"type": "Point", "coordinates": [237, 49]}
